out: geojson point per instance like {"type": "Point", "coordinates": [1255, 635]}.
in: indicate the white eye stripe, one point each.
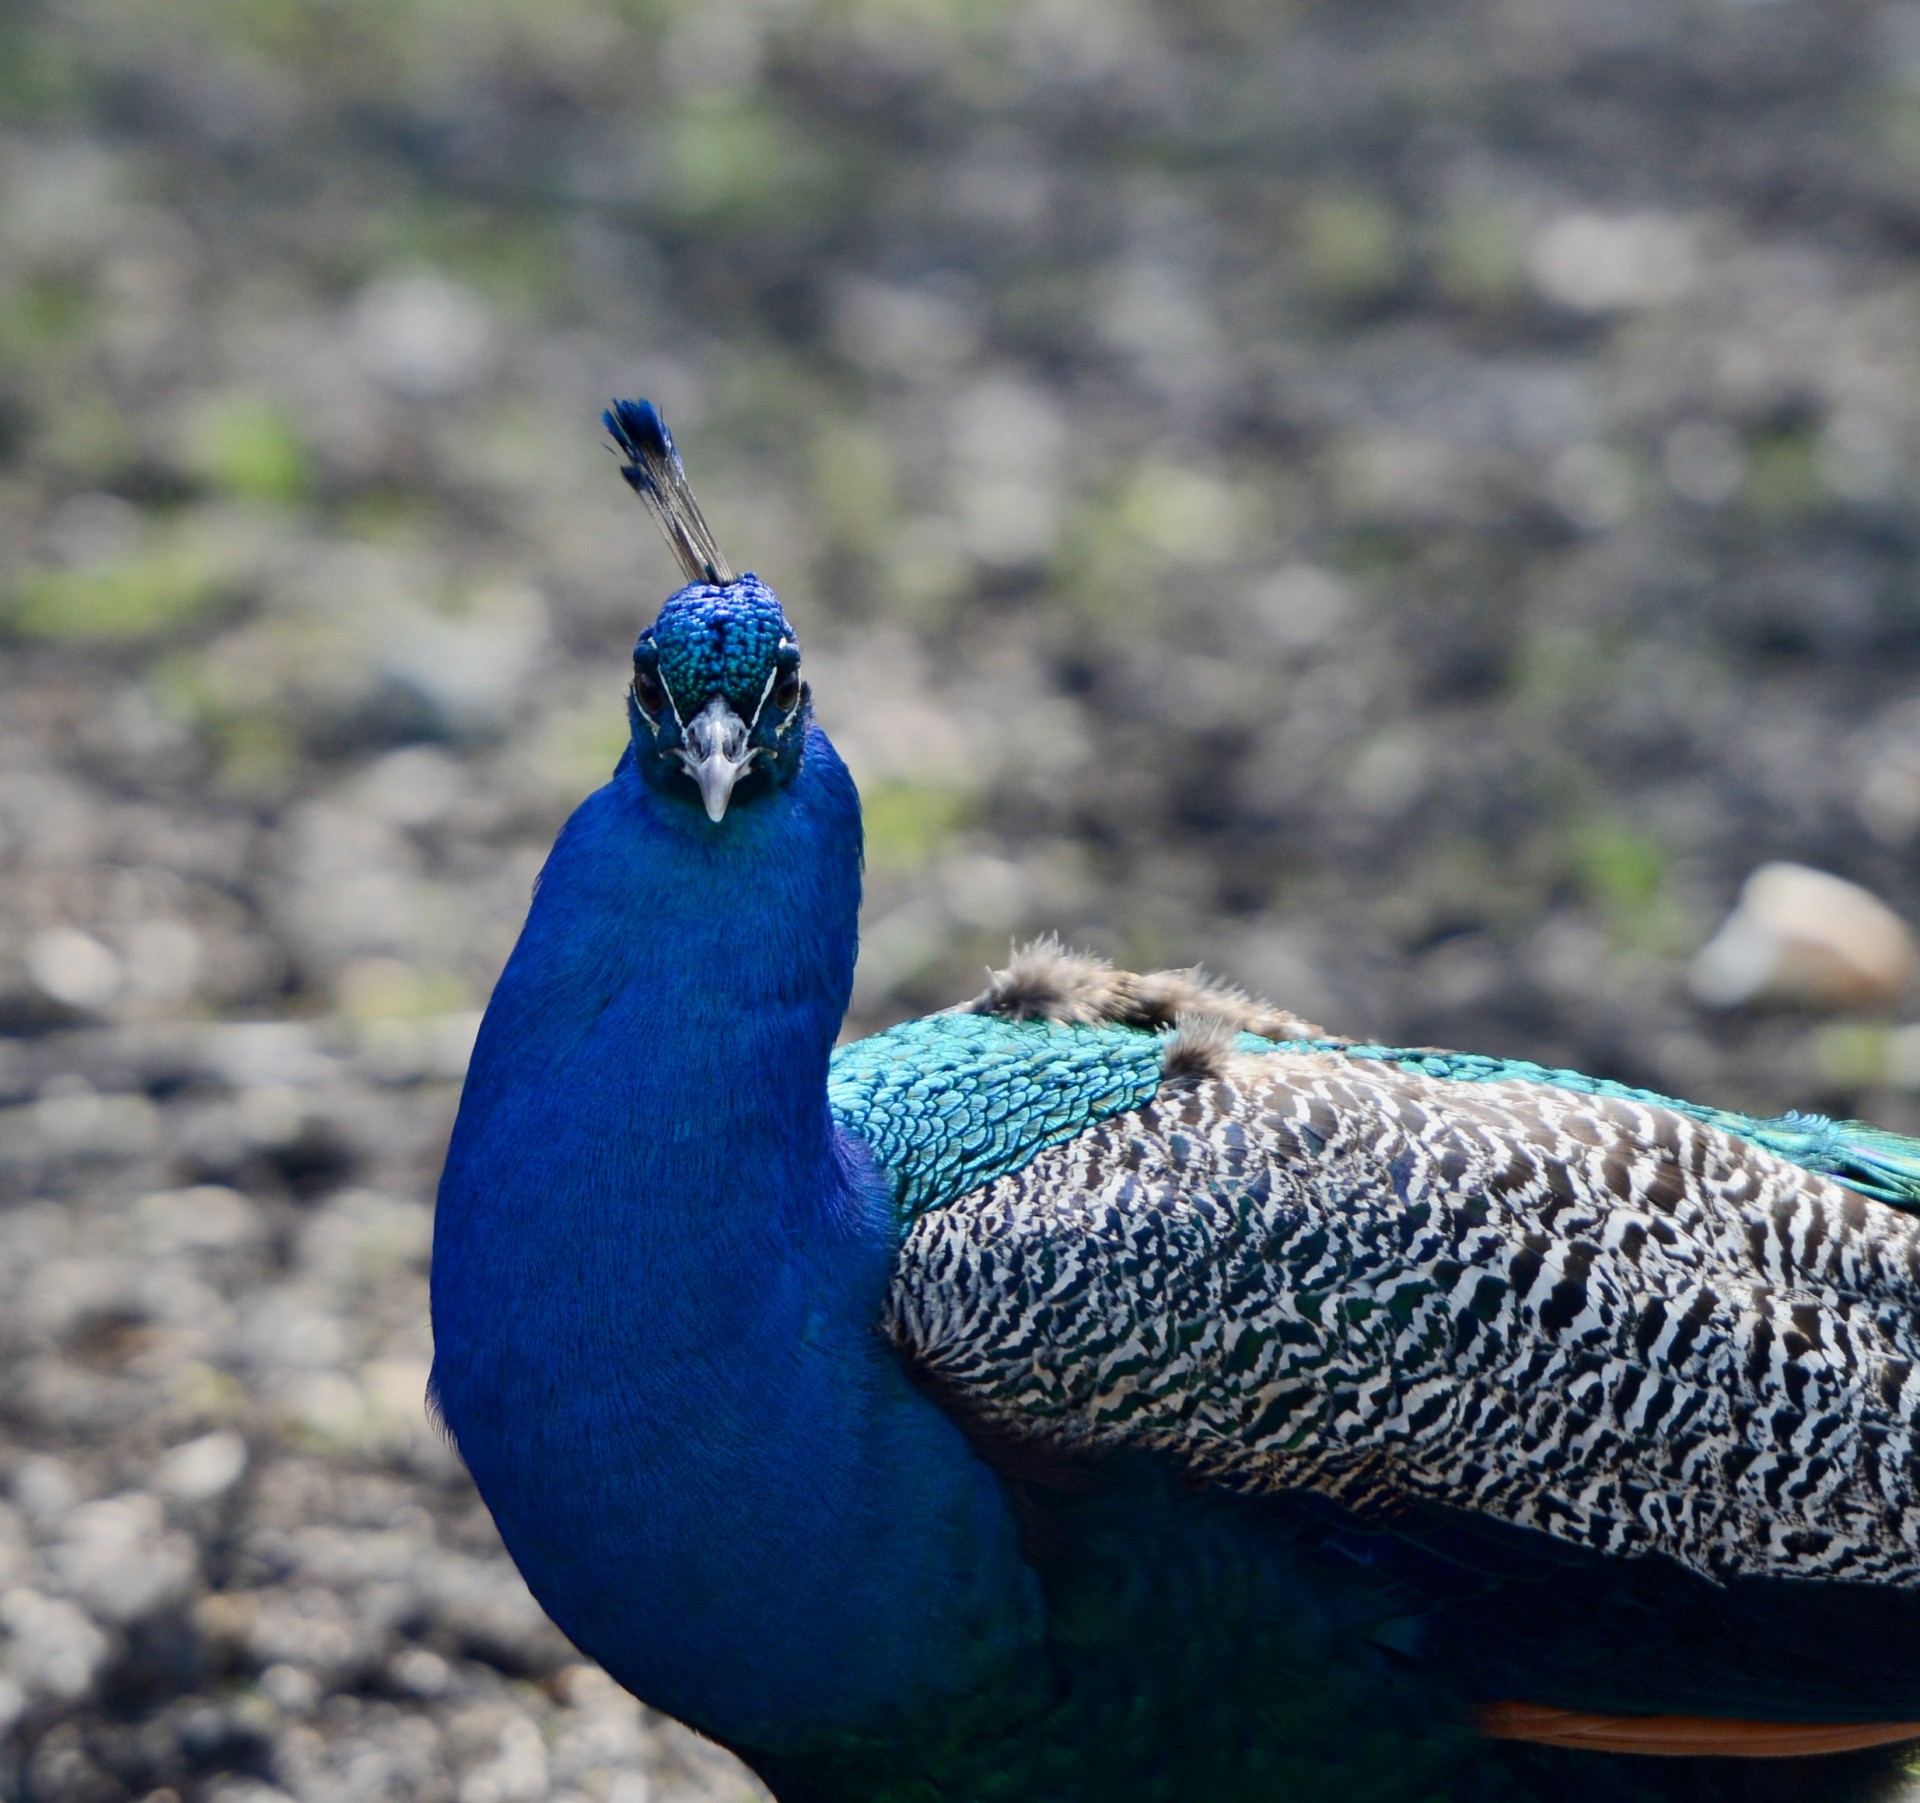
{"type": "Point", "coordinates": [766, 690]}
{"type": "Point", "coordinates": [651, 715]}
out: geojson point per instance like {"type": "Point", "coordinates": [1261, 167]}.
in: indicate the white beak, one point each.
{"type": "Point", "coordinates": [717, 754]}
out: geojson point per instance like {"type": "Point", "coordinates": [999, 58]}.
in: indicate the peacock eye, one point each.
{"type": "Point", "coordinates": [786, 689]}
{"type": "Point", "coordinates": [648, 689]}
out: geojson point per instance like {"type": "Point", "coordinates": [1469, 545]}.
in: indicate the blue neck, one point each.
{"type": "Point", "coordinates": [658, 1274]}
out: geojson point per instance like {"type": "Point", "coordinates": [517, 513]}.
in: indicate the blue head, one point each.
{"type": "Point", "coordinates": [718, 711]}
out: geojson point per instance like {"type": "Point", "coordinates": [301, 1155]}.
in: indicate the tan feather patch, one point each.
{"type": "Point", "coordinates": [1045, 981]}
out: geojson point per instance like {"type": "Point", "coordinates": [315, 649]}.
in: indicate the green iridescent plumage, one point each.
{"type": "Point", "coordinates": [952, 1101]}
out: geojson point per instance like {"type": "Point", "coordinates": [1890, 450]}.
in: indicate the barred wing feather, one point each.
{"type": "Point", "coordinates": [1590, 1316]}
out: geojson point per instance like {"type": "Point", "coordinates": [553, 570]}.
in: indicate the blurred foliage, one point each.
{"type": "Point", "coordinates": [248, 447]}
{"type": "Point", "coordinates": [152, 592]}
{"type": "Point", "coordinates": [908, 824]}
{"type": "Point", "coordinates": [854, 488]}
{"type": "Point", "coordinates": [1480, 256]}
{"type": "Point", "coordinates": [576, 749]}
{"type": "Point", "coordinates": [255, 749]}
{"type": "Point", "coordinates": [40, 314]}
{"type": "Point", "coordinates": [376, 989]}
{"type": "Point", "coordinates": [1626, 872]}
{"type": "Point", "coordinates": [1784, 476]}
{"type": "Point", "coordinates": [734, 162]}
{"type": "Point", "coordinates": [1852, 1055]}
{"type": "Point", "coordinates": [1352, 246]}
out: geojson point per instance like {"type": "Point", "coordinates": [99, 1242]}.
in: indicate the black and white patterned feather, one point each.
{"type": "Point", "coordinates": [1603, 1320]}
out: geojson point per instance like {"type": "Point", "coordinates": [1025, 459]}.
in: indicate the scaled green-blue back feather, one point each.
{"type": "Point", "coordinates": [951, 1101]}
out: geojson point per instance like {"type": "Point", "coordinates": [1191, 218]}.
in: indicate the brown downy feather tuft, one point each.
{"type": "Point", "coordinates": [1045, 981]}
{"type": "Point", "coordinates": [1199, 1049]}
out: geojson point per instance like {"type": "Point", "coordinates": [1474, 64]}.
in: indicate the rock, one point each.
{"type": "Point", "coordinates": [51, 1648]}
{"type": "Point", "coordinates": [423, 336]}
{"type": "Point", "coordinates": [1804, 936]}
{"type": "Point", "coordinates": [1599, 264]}
{"type": "Point", "coordinates": [117, 1557]}
{"type": "Point", "coordinates": [73, 967]}
{"type": "Point", "coordinates": [1300, 606]}
{"type": "Point", "coordinates": [466, 670]}
{"type": "Point", "coordinates": [204, 1468]}
{"type": "Point", "coordinates": [517, 1771]}
{"type": "Point", "coordinates": [163, 960]}
{"type": "Point", "coordinates": [206, 1217]}
{"type": "Point", "coordinates": [1009, 443]}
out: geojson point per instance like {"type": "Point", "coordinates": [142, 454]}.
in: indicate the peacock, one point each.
{"type": "Point", "coordinates": [1115, 1389]}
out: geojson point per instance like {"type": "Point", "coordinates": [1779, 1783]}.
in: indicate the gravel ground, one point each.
{"type": "Point", "coordinates": [1407, 503]}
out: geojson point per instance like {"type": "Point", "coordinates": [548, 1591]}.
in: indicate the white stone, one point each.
{"type": "Point", "coordinates": [908, 332]}
{"type": "Point", "coordinates": [984, 891]}
{"type": "Point", "coordinates": [291, 1689]}
{"type": "Point", "coordinates": [43, 1488]}
{"type": "Point", "coordinates": [422, 335]}
{"type": "Point", "coordinates": [411, 787]}
{"type": "Point", "coordinates": [204, 1468]}
{"type": "Point", "coordinates": [1605, 263]}
{"type": "Point", "coordinates": [516, 1774]}
{"type": "Point", "coordinates": [1300, 605]}
{"type": "Point", "coordinates": [471, 666]}
{"type": "Point", "coordinates": [51, 1648]}
{"type": "Point", "coordinates": [117, 1557]}
{"type": "Point", "coordinates": [1804, 936]}
{"type": "Point", "coordinates": [207, 1216]}
{"type": "Point", "coordinates": [73, 967]}
{"type": "Point", "coordinates": [164, 958]}
{"type": "Point", "coordinates": [1592, 486]}
{"type": "Point", "coordinates": [268, 1054]}
{"type": "Point", "coordinates": [1009, 446]}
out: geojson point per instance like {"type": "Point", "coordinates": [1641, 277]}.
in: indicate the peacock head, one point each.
{"type": "Point", "coordinates": [718, 710]}
{"type": "Point", "coordinates": [717, 701]}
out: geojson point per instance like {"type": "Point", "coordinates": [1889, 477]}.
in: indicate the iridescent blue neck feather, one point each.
{"type": "Point", "coordinates": [657, 1274]}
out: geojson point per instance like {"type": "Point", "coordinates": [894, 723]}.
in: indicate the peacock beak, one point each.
{"type": "Point", "coordinates": [716, 754]}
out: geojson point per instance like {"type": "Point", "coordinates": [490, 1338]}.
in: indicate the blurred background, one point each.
{"type": "Point", "coordinates": [1410, 502]}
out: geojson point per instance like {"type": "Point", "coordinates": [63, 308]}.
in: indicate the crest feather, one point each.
{"type": "Point", "coordinates": [655, 473]}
